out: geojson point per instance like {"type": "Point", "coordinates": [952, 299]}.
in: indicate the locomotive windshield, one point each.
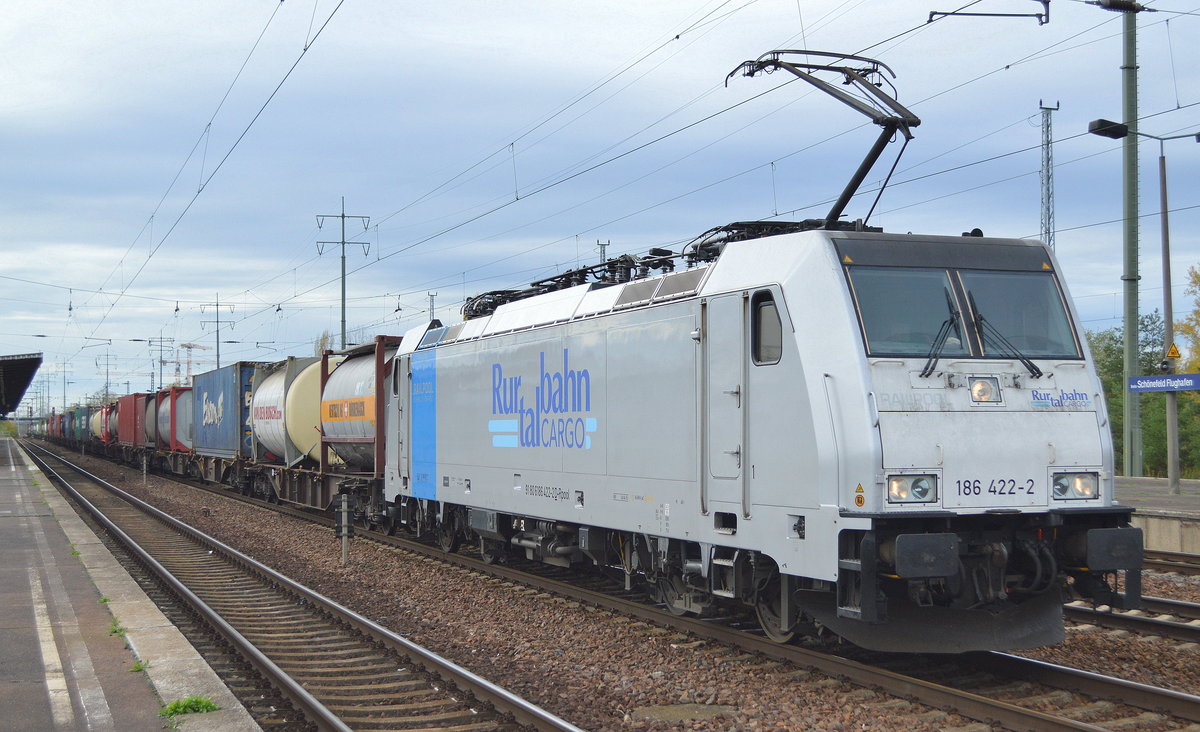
{"type": "Point", "coordinates": [985, 313]}
{"type": "Point", "coordinates": [903, 309]}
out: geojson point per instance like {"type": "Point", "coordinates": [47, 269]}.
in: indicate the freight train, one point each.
{"type": "Point", "coordinates": [897, 439]}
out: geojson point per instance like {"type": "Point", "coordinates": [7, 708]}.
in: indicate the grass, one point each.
{"type": "Point", "coordinates": [139, 666]}
{"type": "Point", "coordinates": [103, 601]}
{"type": "Point", "coordinates": [115, 628]}
{"type": "Point", "coordinates": [189, 705]}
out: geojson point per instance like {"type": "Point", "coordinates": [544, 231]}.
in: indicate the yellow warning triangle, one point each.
{"type": "Point", "coordinates": [846, 259]}
{"type": "Point", "coordinates": [1173, 351]}
{"type": "Point", "coordinates": [1046, 265]}
{"type": "Point", "coordinates": [859, 488]}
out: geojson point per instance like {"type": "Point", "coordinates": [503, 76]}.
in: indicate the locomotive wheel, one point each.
{"type": "Point", "coordinates": [491, 552]}
{"type": "Point", "coordinates": [447, 538]}
{"type": "Point", "coordinates": [769, 618]}
{"type": "Point", "coordinates": [671, 591]}
{"type": "Point", "coordinates": [446, 532]}
{"type": "Point", "coordinates": [416, 523]}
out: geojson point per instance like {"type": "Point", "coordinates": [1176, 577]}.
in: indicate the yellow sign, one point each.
{"type": "Point", "coordinates": [1046, 265]}
{"type": "Point", "coordinates": [859, 501]}
{"type": "Point", "coordinates": [859, 488]}
{"type": "Point", "coordinates": [1173, 351]}
{"type": "Point", "coordinates": [354, 409]}
{"type": "Point", "coordinates": [847, 260]}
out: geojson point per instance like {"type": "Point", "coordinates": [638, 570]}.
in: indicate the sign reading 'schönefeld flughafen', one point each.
{"type": "Point", "coordinates": [1166, 382]}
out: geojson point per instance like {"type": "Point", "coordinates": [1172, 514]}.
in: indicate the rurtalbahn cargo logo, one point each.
{"type": "Point", "coordinates": [1073, 399]}
{"type": "Point", "coordinates": [557, 415]}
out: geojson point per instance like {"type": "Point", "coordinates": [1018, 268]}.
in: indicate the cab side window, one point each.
{"type": "Point", "coordinates": [766, 329]}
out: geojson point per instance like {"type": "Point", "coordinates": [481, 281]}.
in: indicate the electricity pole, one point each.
{"type": "Point", "coordinates": [1048, 173]}
{"type": "Point", "coordinates": [160, 342]}
{"type": "Point", "coordinates": [366, 220]}
{"type": "Point", "coordinates": [217, 307]}
{"type": "Point", "coordinates": [1132, 431]}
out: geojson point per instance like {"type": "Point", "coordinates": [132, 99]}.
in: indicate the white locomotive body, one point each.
{"type": "Point", "coordinates": [899, 438]}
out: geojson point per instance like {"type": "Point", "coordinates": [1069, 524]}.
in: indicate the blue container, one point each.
{"type": "Point", "coordinates": [222, 411]}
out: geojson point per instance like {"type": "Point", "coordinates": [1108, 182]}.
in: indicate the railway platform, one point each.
{"type": "Point", "coordinates": [1169, 523]}
{"type": "Point", "coordinates": [75, 624]}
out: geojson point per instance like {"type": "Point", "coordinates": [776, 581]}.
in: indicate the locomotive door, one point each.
{"type": "Point", "coordinates": [724, 360]}
{"type": "Point", "coordinates": [404, 432]}
{"type": "Point", "coordinates": [398, 429]}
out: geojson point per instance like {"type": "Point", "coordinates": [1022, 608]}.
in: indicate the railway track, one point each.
{"type": "Point", "coordinates": [1177, 562]}
{"type": "Point", "coordinates": [338, 669]}
{"type": "Point", "coordinates": [1159, 616]}
{"type": "Point", "coordinates": [993, 688]}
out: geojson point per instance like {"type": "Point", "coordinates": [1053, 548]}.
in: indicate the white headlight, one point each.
{"type": "Point", "coordinates": [1075, 486]}
{"type": "Point", "coordinates": [985, 389]}
{"type": "Point", "coordinates": [912, 488]}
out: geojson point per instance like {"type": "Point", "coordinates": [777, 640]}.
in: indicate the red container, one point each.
{"type": "Point", "coordinates": [109, 423]}
{"type": "Point", "coordinates": [130, 414]}
{"type": "Point", "coordinates": [139, 419]}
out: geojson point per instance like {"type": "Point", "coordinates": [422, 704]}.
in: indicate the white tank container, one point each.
{"type": "Point", "coordinates": [266, 414]}
{"type": "Point", "coordinates": [178, 400]}
{"type": "Point", "coordinates": [96, 426]}
{"type": "Point", "coordinates": [151, 421]}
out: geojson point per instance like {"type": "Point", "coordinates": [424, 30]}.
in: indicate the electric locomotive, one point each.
{"type": "Point", "coordinates": [897, 438]}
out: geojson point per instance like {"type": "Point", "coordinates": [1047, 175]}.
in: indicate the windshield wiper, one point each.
{"type": "Point", "coordinates": [939, 341]}
{"type": "Point", "coordinates": [982, 326]}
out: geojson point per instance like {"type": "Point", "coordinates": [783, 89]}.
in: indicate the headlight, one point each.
{"type": "Point", "coordinates": [1075, 486]}
{"type": "Point", "coordinates": [985, 389]}
{"type": "Point", "coordinates": [912, 488]}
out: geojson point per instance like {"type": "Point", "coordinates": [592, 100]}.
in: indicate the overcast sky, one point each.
{"type": "Point", "coordinates": [159, 157]}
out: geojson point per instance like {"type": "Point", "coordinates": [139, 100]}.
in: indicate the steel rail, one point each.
{"type": "Point", "coordinates": [505, 701]}
{"type": "Point", "coordinates": [1163, 561]}
{"type": "Point", "coordinates": [1137, 623]}
{"type": "Point", "coordinates": [1165, 606]}
{"type": "Point", "coordinates": [1177, 703]}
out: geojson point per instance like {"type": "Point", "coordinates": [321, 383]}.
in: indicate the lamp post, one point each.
{"type": "Point", "coordinates": [1116, 131]}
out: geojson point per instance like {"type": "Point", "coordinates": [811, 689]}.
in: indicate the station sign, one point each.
{"type": "Point", "coordinates": [1165, 382]}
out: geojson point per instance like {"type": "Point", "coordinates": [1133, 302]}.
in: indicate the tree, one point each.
{"type": "Point", "coordinates": [1107, 348]}
{"type": "Point", "coordinates": [322, 344]}
{"type": "Point", "coordinates": [1188, 328]}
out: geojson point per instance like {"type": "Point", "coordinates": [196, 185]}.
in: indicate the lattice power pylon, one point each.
{"type": "Point", "coordinates": [1048, 174]}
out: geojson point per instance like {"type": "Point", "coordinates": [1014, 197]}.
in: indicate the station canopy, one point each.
{"type": "Point", "coordinates": [16, 374]}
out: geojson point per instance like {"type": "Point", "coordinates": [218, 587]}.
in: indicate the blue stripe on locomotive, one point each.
{"type": "Point", "coordinates": [424, 424]}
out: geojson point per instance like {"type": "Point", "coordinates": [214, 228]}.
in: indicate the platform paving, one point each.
{"type": "Point", "coordinates": [1153, 494]}
{"type": "Point", "coordinates": [62, 593]}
